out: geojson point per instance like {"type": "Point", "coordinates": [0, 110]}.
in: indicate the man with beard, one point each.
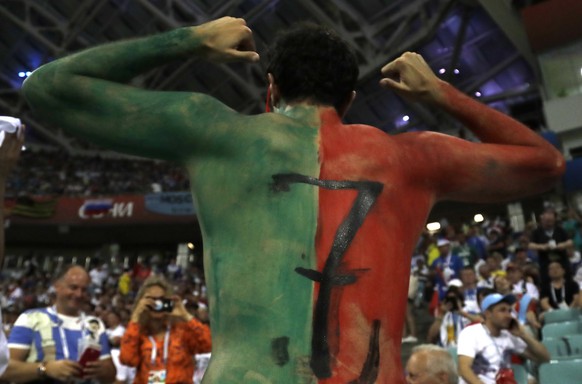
{"type": "Point", "coordinates": [485, 349]}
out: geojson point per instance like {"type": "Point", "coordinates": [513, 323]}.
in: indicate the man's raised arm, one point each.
{"type": "Point", "coordinates": [85, 93]}
{"type": "Point", "coordinates": [511, 161]}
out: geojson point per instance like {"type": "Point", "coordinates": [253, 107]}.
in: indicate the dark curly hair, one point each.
{"type": "Point", "coordinates": [312, 63]}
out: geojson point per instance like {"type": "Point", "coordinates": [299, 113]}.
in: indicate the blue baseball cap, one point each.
{"type": "Point", "coordinates": [496, 298]}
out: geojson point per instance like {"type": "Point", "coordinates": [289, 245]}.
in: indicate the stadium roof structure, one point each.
{"type": "Point", "coordinates": [477, 45]}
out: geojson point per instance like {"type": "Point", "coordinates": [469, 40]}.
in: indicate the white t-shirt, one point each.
{"type": "Point", "coordinates": [487, 351]}
{"type": "Point", "coordinates": [4, 354]}
{"type": "Point", "coordinates": [530, 289]}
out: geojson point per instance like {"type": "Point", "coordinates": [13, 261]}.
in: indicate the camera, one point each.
{"type": "Point", "coordinates": [453, 302]}
{"type": "Point", "coordinates": [163, 305]}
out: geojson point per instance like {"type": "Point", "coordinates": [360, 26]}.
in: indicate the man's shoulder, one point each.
{"type": "Point", "coordinates": [37, 314]}
{"type": "Point", "coordinates": [475, 329]}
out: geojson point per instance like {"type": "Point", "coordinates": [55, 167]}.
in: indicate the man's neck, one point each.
{"type": "Point", "coordinates": [558, 282]}
{"type": "Point", "coordinates": [156, 327]}
{"type": "Point", "coordinates": [493, 330]}
{"type": "Point", "coordinates": [62, 311]}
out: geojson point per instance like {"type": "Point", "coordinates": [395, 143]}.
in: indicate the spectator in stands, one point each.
{"type": "Point", "coordinates": [484, 276]}
{"type": "Point", "coordinates": [162, 338]}
{"type": "Point", "coordinates": [173, 270]}
{"type": "Point", "coordinates": [484, 350]}
{"type": "Point", "coordinates": [469, 289]}
{"type": "Point", "coordinates": [561, 291]}
{"type": "Point", "coordinates": [496, 241]}
{"type": "Point", "coordinates": [571, 221]}
{"type": "Point", "coordinates": [115, 331]}
{"type": "Point", "coordinates": [525, 307]}
{"type": "Point", "coordinates": [519, 284]}
{"type": "Point", "coordinates": [10, 149]}
{"type": "Point", "coordinates": [495, 263]}
{"type": "Point", "coordinates": [98, 275]}
{"type": "Point", "coordinates": [431, 364]}
{"type": "Point", "coordinates": [477, 241]}
{"type": "Point", "coordinates": [520, 257]}
{"type": "Point", "coordinates": [125, 282]}
{"type": "Point", "coordinates": [451, 319]}
{"type": "Point", "coordinates": [50, 339]}
{"type": "Point", "coordinates": [523, 243]}
{"type": "Point", "coordinates": [464, 250]}
{"type": "Point", "coordinates": [550, 239]}
{"type": "Point", "coordinates": [446, 267]}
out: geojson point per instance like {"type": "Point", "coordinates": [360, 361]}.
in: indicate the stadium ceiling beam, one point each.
{"type": "Point", "coordinates": [166, 19]}
{"type": "Point", "coordinates": [160, 80]}
{"type": "Point", "coordinates": [26, 26]}
{"type": "Point", "coordinates": [390, 17]}
{"type": "Point", "coordinates": [316, 10]}
{"type": "Point", "coordinates": [87, 12]}
{"type": "Point", "coordinates": [459, 42]}
{"type": "Point", "coordinates": [368, 50]}
{"type": "Point", "coordinates": [416, 9]}
{"type": "Point", "coordinates": [524, 91]}
{"type": "Point", "coordinates": [473, 84]}
{"type": "Point", "coordinates": [510, 23]}
{"type": "Point", "coordinates": [415, 39]}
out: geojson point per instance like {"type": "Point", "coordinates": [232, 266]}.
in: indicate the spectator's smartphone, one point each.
{"type": "Point", "coordinates": [513, 324]}
{"type": "Point", "coordinates": [91, 353]}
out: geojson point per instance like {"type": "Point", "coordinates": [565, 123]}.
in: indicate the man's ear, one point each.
{"type": "Point", "coordinates": [347, 104]}
{"type": "Point", "coordinates": [274, 91]}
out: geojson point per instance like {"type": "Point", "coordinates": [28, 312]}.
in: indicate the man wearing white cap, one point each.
{"type": "Point", "coordinates": [446, 267]}
{"type": "Point", "coordinates": [485, 349]}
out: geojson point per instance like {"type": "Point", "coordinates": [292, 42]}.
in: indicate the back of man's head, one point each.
{"type": "Point", "coordinates": [310, 63]}
{"type": "Point", "coordinates": [438, 363]}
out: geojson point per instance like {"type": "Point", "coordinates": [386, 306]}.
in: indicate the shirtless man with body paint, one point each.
{"type": "Point", "coordinates": [308, 224]}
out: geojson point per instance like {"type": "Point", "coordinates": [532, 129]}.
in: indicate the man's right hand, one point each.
{"type": "Point", "coordinates": [143, 305]}
{"type": "Point", "coordinates": [412, 78]}
{"type": "Point", "coordinates": [227, 39]}
{"type": "Point", "coordinates": [63, 370]}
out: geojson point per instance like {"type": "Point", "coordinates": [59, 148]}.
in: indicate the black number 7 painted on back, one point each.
{"type": "Point", "coordinates": [368, 192]}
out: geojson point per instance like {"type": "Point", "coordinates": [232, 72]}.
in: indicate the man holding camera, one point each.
{"type": "Point", "coordinates": [485, 349]}
{"type": "Point", "coordinates": [453, 316]}
{"type": "Point", "coordinates": [56, 342]}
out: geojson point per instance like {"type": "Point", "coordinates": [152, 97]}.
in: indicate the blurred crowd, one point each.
{"type": "Point", "coordinates": [55, 173]}
{"type": "Point", "coordinates": [113, 289]}
{"type": "Point", "coordinates": [460, 261]}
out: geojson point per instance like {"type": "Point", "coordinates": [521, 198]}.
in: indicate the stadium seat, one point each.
{"type": "Point", "coordinates": [520, 373]}
{"type": "Point", "coordinates": [556, 346]}
{"type": "Point", "coordinates": [574, 344]}
{"type": "Point", "coordinates": [561, 372]}
{"type": "Point", "coordinates": [561, 329]}
{"type": "Point", "coordinates": [561, 315]}
{"type": "Point", "coordinates": [453, 353]}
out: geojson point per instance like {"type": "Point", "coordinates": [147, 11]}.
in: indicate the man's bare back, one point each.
{"type": "Point", "coordinates": [308, 224]}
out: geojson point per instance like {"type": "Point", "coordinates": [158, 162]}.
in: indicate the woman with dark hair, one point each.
{"type": "Point", "coordinates": [162, 338]}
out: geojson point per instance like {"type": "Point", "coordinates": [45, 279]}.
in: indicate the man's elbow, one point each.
{"type": "Point", "coordinates": [30, 86]}
{"type": "Point", "coordinates": [544, 356]}
{"type": "Point", "coordinates": [556, 166]}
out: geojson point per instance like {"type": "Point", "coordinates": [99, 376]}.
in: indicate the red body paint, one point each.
{"type": "Point", "coordinates": [379, 254]}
